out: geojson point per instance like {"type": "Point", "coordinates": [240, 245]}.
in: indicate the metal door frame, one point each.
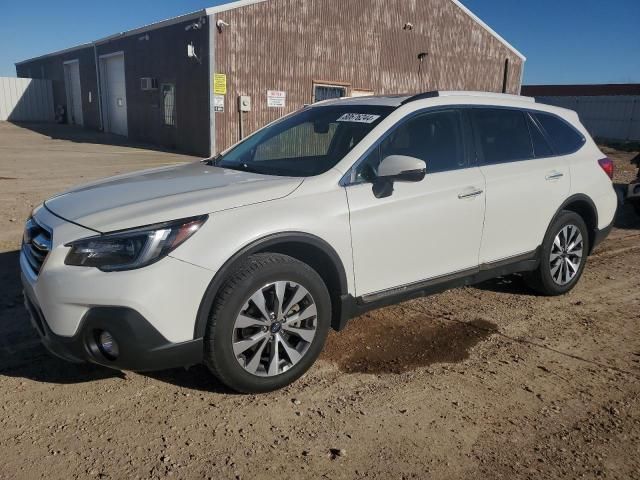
{"type": "Point", "coordinates": [105, 90]}
{"type": "Point", "coordinates": [66, 66]}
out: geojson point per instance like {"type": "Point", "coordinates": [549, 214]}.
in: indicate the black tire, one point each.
{"type": "Point", "coordinates": [257, 271]}
{"type": "Point", "coordinates": [541, 279]}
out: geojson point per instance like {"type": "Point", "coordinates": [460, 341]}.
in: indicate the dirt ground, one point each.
{"type": "Point", "coordinates": [483, 382]}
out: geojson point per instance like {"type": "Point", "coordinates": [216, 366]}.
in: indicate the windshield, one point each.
{"type": "Point", "coordinates": [307, 143]}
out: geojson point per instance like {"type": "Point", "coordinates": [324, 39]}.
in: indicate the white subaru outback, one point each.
{"type": "Point", "coordinates": [245, 261]}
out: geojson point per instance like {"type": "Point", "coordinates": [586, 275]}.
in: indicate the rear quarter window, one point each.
{"type": "Point", "coordinates": [564, 138]}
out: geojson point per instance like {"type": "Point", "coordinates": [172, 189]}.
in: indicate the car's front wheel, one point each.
{"type": "Point", "coordinates": [564, 253]}
{"type": "Point", "coordinates": [268, 324]}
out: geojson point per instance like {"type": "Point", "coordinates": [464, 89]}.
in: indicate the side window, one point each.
{"type": "Point", "coordinates": [437, 138]}
{"type": "Point", "coordinates": [540, 146]}
{"type": "Point", "coordinates": [503, 135]}
{"type": "Point", "coordinates": [564, 138]}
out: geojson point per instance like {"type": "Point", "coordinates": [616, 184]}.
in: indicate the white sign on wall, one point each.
{"type": "Point", "coordinates": [218, 103]}
{"type": "Point", "coordinates": [276, 98]}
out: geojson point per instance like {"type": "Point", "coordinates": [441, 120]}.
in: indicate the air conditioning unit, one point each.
{"type": "Point", "coordinates": [148, 83]}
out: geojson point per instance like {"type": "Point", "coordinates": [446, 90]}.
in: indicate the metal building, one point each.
{"type": "Point", "coordinates": [198, 82]}
{"type": "Point", "coordinates": [608, 111]}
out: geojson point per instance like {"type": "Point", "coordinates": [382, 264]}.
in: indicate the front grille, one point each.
{"type": "Point", "coordinates": [36, 244]}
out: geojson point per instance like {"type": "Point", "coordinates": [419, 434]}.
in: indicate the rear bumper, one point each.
{"type": "Point", "coordinates": [601, 235]}
{"type": "Point", "coordinates": [141, 346]}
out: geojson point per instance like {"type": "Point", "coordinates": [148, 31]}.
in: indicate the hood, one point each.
{"type": "Point", "coordinates": [166, 193]}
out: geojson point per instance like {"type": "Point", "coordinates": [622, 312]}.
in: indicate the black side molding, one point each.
{"type": "Point", "coordinates": [353, 307]}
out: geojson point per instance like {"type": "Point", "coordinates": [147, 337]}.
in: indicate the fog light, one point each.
{"type": "Point", "coordinates": [108, 345]}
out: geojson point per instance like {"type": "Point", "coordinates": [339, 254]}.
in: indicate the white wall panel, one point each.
{"type": "Point", "coordinates": [615, 117]}
{"type": "Point", "coordinates": [26, 100]}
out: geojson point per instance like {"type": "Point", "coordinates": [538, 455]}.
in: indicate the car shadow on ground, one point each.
{"type": "Point", "coordinates": [22, 355]}
{"type": "Point", "coordinates": [513, 284]}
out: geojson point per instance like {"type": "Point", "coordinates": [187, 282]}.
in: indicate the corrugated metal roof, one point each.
{"type": "Point", "coordinates": [489, 29]}
{"type": "Point", "coordinates": [232, 6]}
{"type": "Point", "coordinates": [593, 90]}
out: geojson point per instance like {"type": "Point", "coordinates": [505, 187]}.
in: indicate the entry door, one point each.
{"type": "Point", "coordinates": [114, 94]}
{"type": "Point", "coordinates": [426, 229]}
{"type": "Point", "coordinates": [526, 184]}
{"type": "Point", "coordinates": [74, 92]}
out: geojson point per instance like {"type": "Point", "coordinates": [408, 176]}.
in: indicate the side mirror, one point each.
{"type": "Point", "coordinates": [397, 168]}
{"type": "Point", "coordinates": [400, 168]}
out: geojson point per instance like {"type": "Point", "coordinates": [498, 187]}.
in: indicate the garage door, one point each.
{"type": "Point", "coordinates": [114, 94]}
{"type": "Point", "coordinates": [74, 92]}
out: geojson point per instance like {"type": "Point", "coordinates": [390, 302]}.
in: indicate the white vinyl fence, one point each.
{"type": "Point", "coordinates": [614, 117]}
{"type": "Point", "coordinates": [26, 100]}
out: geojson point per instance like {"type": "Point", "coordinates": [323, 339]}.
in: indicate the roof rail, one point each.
{"type": "Point", "coordinates": [420, 96]}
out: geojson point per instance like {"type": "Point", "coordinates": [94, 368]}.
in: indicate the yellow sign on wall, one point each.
{"type": "Point", "coordinates": [219, 84]}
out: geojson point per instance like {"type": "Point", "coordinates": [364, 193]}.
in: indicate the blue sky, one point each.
{"type": "Point", "coordinates": [565, 41]}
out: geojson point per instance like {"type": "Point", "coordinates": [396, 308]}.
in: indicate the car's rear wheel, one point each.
{"type": "Point", "coordinates": [564, 253]}
{"type": "Point", "coordinates": [268, 324]}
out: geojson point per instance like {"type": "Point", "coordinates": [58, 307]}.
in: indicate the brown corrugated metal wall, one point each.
{"type": "Point", "coordinates": [290, 44]}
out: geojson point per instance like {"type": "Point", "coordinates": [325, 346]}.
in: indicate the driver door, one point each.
{"type": "Point", "coordinates": [425, 229]}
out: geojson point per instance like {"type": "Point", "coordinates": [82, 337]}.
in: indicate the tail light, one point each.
{"type": "Point", "coordinates": [607, 165]}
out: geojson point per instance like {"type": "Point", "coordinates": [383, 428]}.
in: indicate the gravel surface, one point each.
{"type": "Point", "coordinates": [481, 382]}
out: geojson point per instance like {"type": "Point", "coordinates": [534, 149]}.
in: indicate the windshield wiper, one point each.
{"type": "Point", "coordinates": [212, 161]}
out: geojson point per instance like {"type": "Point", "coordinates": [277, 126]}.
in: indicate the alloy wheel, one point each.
{"type": "Point", "coordinates": [275, 328]}
{"type": "Point", "coordinates": [566, 255]}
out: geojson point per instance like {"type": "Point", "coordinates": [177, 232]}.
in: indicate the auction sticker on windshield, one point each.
{"type": "Point", "coordinates": [358, 117]}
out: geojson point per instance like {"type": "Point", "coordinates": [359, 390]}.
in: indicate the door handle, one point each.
{"type": "Point", "coordinates": [554, 176]}
{"type": "Point", "coordinates": [472, 192]}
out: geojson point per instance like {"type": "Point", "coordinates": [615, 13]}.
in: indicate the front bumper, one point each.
{"type": "Point", "coordinates": [151, 311]}
{"type": "Point", "coordinates": [142, 347]}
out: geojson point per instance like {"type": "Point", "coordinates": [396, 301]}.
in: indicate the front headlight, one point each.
{"type": "Point", "coordinates": [131, 249]}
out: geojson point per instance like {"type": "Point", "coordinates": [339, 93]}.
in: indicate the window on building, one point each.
{"type": "Point", "coordinates": [168, 92]}
{"type": "Point", "coordinates": [503, 134]}
{"type": "Point", "coordinates": [564, 138]}
{"type": "Point", "coordinates": [327, 92]}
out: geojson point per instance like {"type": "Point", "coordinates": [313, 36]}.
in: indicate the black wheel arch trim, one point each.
{"type": "Point", "coordinates": [260, 245]}
{"type": "Point", "coordinates": [580, 197]}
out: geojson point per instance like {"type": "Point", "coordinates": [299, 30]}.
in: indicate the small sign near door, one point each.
{"type": "Point", "coordinates": [218, 103]}
{"type": "Point", "coordinates": [276, 98]}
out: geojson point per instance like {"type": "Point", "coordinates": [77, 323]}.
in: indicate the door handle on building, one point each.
{"type": "Point", "coordinates": [472, 192]}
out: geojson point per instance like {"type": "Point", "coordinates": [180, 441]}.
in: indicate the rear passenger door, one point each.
{"type": "Point", "coordinates": [525, 182]}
